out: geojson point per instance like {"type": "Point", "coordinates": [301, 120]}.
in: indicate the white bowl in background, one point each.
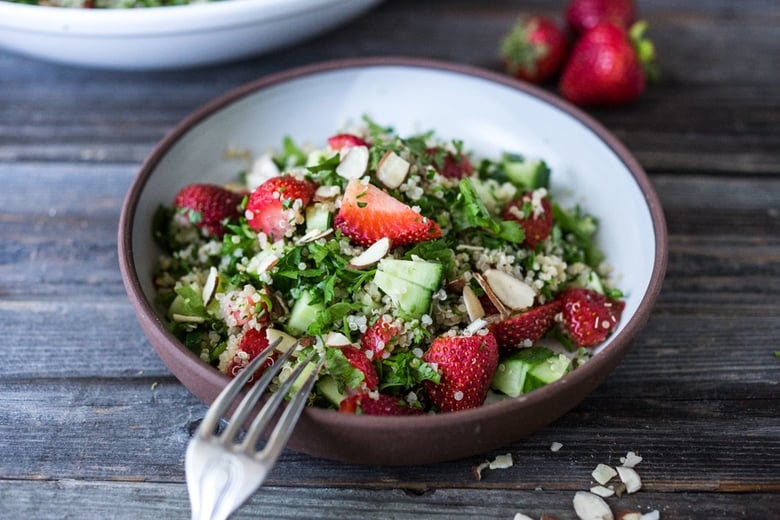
{"type": "Point", "coordinates": [168, 37]}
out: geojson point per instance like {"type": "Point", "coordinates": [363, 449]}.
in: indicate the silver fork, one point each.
{"type": "Point", "coordinates": [224, 469]}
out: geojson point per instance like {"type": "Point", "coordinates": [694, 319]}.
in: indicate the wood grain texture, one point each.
{"type": "Point", "coordinates": [94, 426]}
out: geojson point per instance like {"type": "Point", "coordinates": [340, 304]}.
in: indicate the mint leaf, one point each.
{"type": "Point", "coordinates": [405, 370]}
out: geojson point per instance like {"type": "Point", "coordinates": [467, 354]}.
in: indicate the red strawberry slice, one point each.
{"type": "Point", "coordinates": [589, 317]}
{"type": "Point", "coordinates": [340, 141]}
{"type": "Point", "coordinates": [466, 365]}
{"type": "Point", "coordinates": [383, 404]}
{"type": "Point", "coordinates": [379, 337]}
{"type": "Point", "coordinates": [535, 49]}
{"type": "Point", "coordinates": [252, 344]}
{"type": "Point", "coordinates": [358, 359]}
{"type": "Point", "coordinates": [208, 206]}
{"type": "Point", "coordinates": [271, 209]}
{"type": "Point", "coordinates": [530, 325]}
{"type": "Point", "coordinates": [367, 214]}
{"type": "Point", "coordinates": [450, 165]}
{"type": "Point", "coordinates": [535, 215]}
{"type": "Point", "coordinates": [582, 15]}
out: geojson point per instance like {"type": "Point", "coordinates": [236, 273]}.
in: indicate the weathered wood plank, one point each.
{"type": "Point", "coordinates": [73, 427]}
{"type": "Point", "coordinates": [83, 499]}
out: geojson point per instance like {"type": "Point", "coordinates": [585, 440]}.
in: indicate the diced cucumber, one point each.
{"type": "Point", "coordinates": [590, 280]}
{"type": "Point", "coordinates": [299, 382]}
{"type": "Point", "coordinates": [303, 314]}
{"type": "Point", "coordinates": [408, 296]}
{"type": "Point", "coordinates": [527, 173]}
{"type": "Point", "coordinates": [424, 274]}
{"type": "Point", "coordinates": [328, 387]}
{"type": "Point", "coordinates": [318, 217]}
{"type": "Point", "coordinates": [525, 370]}
{"type": "Point", "coordinates": [549, 370]}
{"type": "Point", "coordinates": [510, 377]}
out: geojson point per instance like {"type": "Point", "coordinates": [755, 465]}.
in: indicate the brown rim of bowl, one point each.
{"type": "Point", "coordinates": [210, 376]}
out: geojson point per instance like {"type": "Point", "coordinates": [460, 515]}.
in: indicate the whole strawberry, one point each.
{"type": "Point", "coordinates": [583, 15]}
{"type": "Point", "coordinates": [535, 49]}
{"type": "Point", "coordinates": [589, 317]}
{"type": "Point", "coordinates": [207, 206]}
{"type": "Point", "coordinates": [604, 68]}
{"type": "Point", "coordinates": [271, 206]}
{"type": "Point", "coordinates": [466, 365]}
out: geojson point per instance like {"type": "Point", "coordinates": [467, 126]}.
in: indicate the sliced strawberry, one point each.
{"type": "Point", "coordinates": [340, 141]}
{"type": "Point", "coordinates": [208, 206]}
{"type": "Point", "coordinates": [252, 344]}
{"type": "Point", "coordinates": [466, 365]}
{"type": "Point", "coordinates": [535, 215]}
{"type": "Point", "coordinates": [530, 325]}
{"type": "Point", "coordinates": [367, 214]}
{"type": "Point", "coordinates": [358, 359]}
{"type": "Point", "coordinates": [271, 206]}
{"type": "Point", "coordinates": [379, 337]}
{"type": "Point", "coordinates": [450, 165]}
{"type": "Point", "coordinates": [589, 317]}
{"type": "Point", "coordinates": [383, 404]}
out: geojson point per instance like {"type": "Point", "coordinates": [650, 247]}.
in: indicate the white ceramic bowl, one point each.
{"type": "Point", "coordinates": [491, 113]}
{"type": "Point", "coordinates": [168, 37]}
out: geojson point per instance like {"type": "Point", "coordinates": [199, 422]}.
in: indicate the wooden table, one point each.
{"type": "Point", "coordinates": [92, 425]}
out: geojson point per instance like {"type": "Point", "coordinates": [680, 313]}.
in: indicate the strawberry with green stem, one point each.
{"type": "Point", "coordinates": [535, 49]}
{"type": "Point", "coordinates": [609, 66]}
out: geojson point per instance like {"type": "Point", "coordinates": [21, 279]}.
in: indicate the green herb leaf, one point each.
{"type": "Point", "coordinates": [406, 370]}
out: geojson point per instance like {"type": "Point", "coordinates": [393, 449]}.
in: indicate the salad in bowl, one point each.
{"type": "Point", "coordinates": [429, 279]}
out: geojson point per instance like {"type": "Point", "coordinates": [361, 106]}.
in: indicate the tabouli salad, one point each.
{"type": "Point", "coordinates": [423, 276]}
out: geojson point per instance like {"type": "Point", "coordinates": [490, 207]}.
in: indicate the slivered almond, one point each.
{"type": "Point", "coordinates": [602, 491]}
{"type": "Point", "coordinates": [514, 293]}
{"type": "Point", "coordinates": [630, 478]}
{"type": "Point", "coordinates": [497, 303]}
{"type": "Point", "coordinates": [392, 169]}
{"type": "Point", "coordinates": [603, 474]}
{"type": "Point", "coordinates": [591, 507]}
{"type": "Point", "coordinates": [354, 163]}
{"type": "Point", "coordinates": [326, 192]}
{"type": "Point", "coordinates": [629, 515]}
{"type": "Point", "coordinates": [372, 255]}
{"type": "Point", "coordinates": [473, 306]}
{"type": "Point", "coordinates": [337, 339]}
{"type": "Point", "coordinates": [267, 263]}
{"type": "Point", "coordinates": [210, 286]}
{"type": "Point", "coordinates": [311, 236]}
